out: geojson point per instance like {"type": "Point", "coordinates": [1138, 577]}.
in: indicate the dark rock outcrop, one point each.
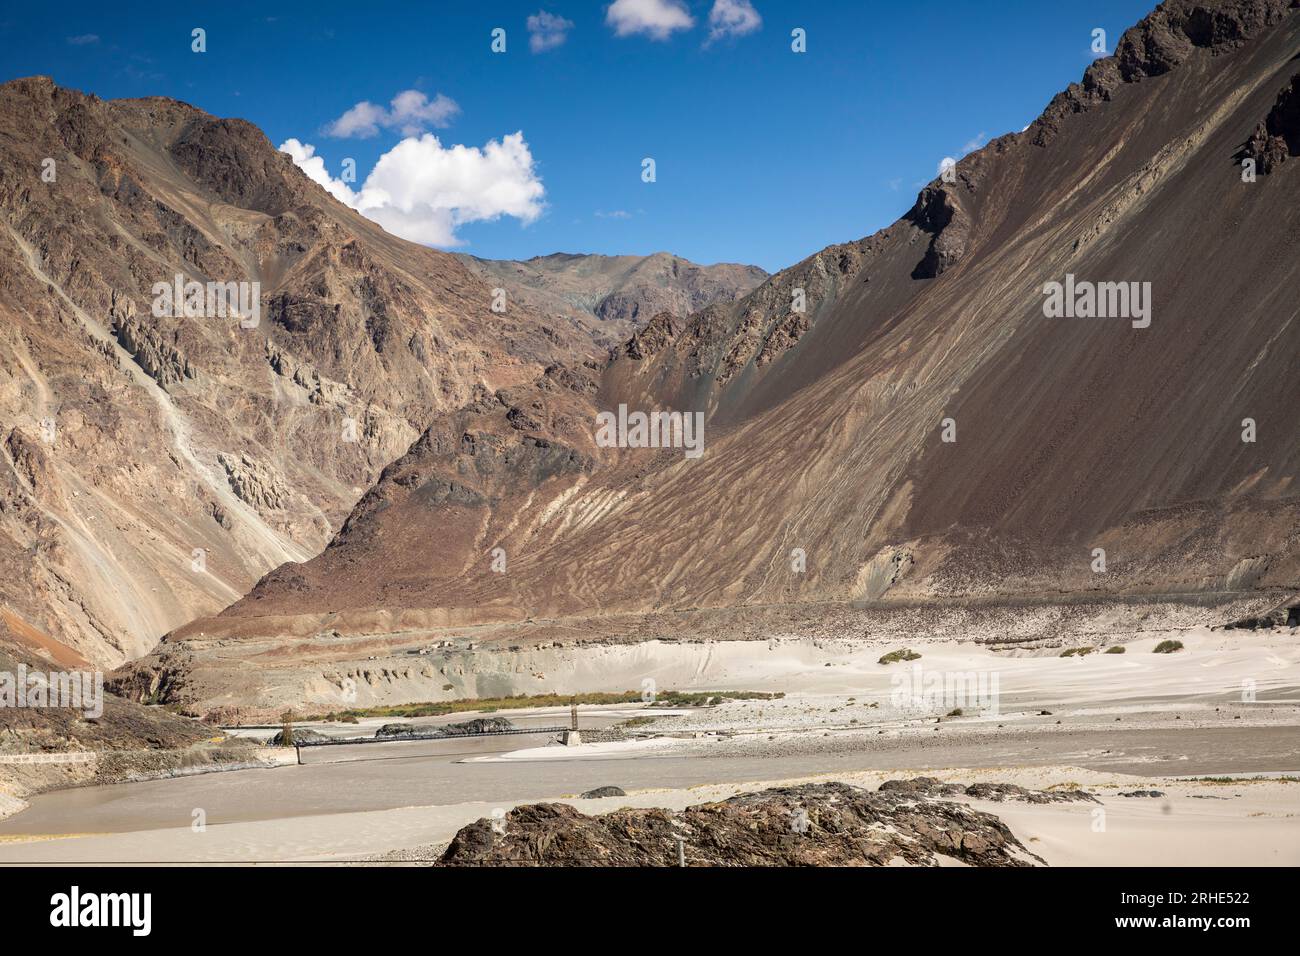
{"type": "Point", "coordinates": [828, 824]}
{"type": "Point", "coordinates": [997, 792]}
{"type": "Point", "coordinates": [923, 787]}
{"type": "Point", "coordinates": [1158, 44]}
{"type": "Point", "coordinates": [1278, 136]}
{"type": "Point", "coordinates": [938, 211]}
{"type": "Point", "coordinates": [601, 792]}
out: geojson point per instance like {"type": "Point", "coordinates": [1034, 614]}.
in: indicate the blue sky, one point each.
{"type": "Point", "coordinates": [762, 155]}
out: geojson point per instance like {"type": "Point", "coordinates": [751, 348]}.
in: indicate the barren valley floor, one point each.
{"type": "Point", "coordinates": [1109, 723]}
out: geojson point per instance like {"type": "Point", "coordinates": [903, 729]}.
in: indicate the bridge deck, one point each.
{"type": "Point", "coordinates": [401, 738]}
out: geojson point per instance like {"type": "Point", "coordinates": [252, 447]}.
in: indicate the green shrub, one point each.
{"type": "Point", "coordinates": [906, 654]}
{"type": "Point", "coordinates": [1115, 649]}
{"type": "Point", "coordinates": [488, 705]}
{"type": "Point", "coordinates": [1168, 647]}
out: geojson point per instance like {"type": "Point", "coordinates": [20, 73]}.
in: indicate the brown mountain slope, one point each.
{"type": "Point", "coordinates": [825, 427]}
{"type": "Point", "coordinates": [132, 441]}
{"type": "Point", "coordinates": [616, 295]}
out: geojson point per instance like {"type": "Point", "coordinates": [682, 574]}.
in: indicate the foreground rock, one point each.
{"type": "Point", "coordinates": [996, 792]}
{"type": "Point", "coordinates": [828, 824]}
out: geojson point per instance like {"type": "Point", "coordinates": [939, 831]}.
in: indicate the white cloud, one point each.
{"type": "Point", "coordinates": [655, 18]}
{"type": "Point", "coordinates": [411, 112]}
{"type": "Point", "coordinates": [972, 144]}
{"type": "Point", "coordinates": [84, 39]}
{"type": "Point", "coordinates": [546, 31]}
{"type": "Point", "coordinates": [422, 191]}
{"type": "Point", "coordinates": [305, 158]}
{"type": "Point", "coordinates": [732, 18]}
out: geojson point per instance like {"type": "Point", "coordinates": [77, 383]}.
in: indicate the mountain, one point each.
{"type": "Point", "coordinates": [620, 293]}
{"type": "Point", "coordinates": [155, 466]}
{"type": "Point", "coordinates": [935, 444]}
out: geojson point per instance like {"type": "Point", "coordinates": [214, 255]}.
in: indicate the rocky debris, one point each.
{"type": "Point", "coordinates": [783, 336]}
{"type": "Point", "coordinates": [826, 824]}
{"type": "Point", "coordinates": [34, 463]}
{"type": "Point", "coordinates": [1141, 793]}
{"type": "Point", "coordinates": [997, 792]}
{"type": "Point", "coordinates": [255, 483]}
{"type": "Point", "coordinates": [601, 792]}
{"type": "Point", "coordinates": [654, 337]}
{"type": "Point", "coordinates": [924, 787]}
{"type": "Point", "coordinates": [1277, 137]}
{"type": "Point", "coordinates": [522, 420]}
{"type": "Point", "coordinates": [479, 725]}
{"type": "Point", "coordinates": [1285, 615]}
{"type": "Point", "coordinates": [162, 361]}
{"type": "Point", "coordinates": [320, 390]}
{"type": "Point", "coordinates": [561, 376]}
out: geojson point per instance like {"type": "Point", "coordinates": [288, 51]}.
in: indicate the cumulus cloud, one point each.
{"type": "Point", "coordinates": [410, 111]}
{"type": "Point", "coordinates": [655, 18]}
{"type": "Point", "coordinates": [732, 18]}
{"type": "Point", "coordinates": [546, 31]}
{"type": "Point", "coordinates": [422, 191]}
{"type": "Point", "coordinates": [305, 158]}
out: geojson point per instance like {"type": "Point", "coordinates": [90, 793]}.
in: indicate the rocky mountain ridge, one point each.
{"type": "Point", "coordinates": [616, 295]}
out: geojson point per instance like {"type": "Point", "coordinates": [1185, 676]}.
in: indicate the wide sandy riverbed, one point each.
{"type": "Point", "coordinates": [1227, 705]}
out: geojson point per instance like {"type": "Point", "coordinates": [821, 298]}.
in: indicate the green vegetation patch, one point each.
{"type": "Point", "coordinates": [667, 698]}
{"type": "Point", "coordinates": [906, 654]}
